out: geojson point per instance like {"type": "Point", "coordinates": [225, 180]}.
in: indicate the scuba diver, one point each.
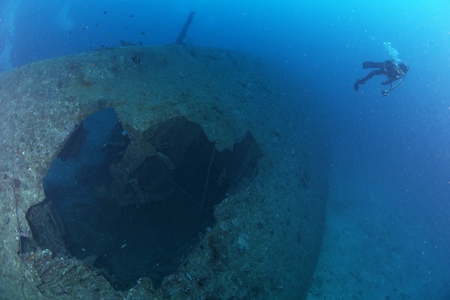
{"type": "Point", "coordinates": [393, 71]}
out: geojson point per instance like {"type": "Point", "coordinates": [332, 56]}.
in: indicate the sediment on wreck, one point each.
{"type": "Point", "coordinates": [257, 185]}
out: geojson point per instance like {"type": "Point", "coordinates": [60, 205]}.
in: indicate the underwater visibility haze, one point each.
{"type": "Point", "coordinates": [386, 233]}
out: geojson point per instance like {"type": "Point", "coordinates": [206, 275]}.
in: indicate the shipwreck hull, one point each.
{"type": "Point", "coordinates": [258, 183]}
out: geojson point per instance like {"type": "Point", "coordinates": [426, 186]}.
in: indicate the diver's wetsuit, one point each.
{"type": "Point", "coordinates": [392, 71]}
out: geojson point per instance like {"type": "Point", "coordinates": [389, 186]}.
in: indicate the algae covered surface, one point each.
{"type": "Point", "coordinates": [265, 238]}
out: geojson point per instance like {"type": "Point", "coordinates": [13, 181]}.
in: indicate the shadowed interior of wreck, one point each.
{"type": "Point", "coordinates": [134, 204]}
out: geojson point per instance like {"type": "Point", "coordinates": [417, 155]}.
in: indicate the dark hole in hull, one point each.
{"type": "Point", "coordinates": [133, 205]}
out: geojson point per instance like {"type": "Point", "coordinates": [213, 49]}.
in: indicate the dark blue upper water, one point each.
{"type": "Point", "coordinates": [399, 143]}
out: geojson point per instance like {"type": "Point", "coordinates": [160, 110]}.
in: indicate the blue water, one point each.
{"type": "Point", "coordinates": [398, 144]}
